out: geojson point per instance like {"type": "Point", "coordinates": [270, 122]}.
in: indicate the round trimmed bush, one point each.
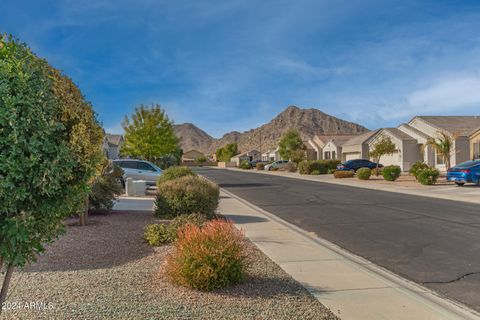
{"type": "Point", "coordinates": [160, 233]}
{"type": "Point", "coordinates": [417, 168]}
{"type": "Point", "coordinates": [391, 173]}
{"type": "Point", "coordinates": [304, 167]}
{"type": "Point", "coordinates": [315, 172]}
{"type": "Point", "coordinates": [343, 174]}
{"type": "Point", "coordinates": [428, 176]}
{"type": "Point", "coordinates": [210, 257]}
{"type": "Point", "coordinates": [174, 173]}
{"type": "Point", "coordinates": [364, 173]}
{"type": "Point", "coordinates": [186, 195]}
{"type": "Point", "coordinates": [290, 167]}
{"type": "Point", "coordinates": [245, 165]}
{"type": "Point", "coordinates": [260, 166]}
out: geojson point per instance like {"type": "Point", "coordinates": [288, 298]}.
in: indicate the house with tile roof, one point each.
{"type": "Point", "coordinates": [357, 147]}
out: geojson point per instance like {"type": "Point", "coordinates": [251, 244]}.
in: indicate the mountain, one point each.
{"type": "Point", "coordinates": [308, 122]}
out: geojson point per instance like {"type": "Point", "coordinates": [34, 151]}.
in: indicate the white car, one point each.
{"type": "Point", "coordinates": [139, 170]}
{"type": "Point", "coordinates": [276, 165]}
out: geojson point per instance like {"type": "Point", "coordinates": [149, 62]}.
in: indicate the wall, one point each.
{"type": "Point", "coordinates": [475, 146]}
{"type": "Point", "coordinates": [226, 164]}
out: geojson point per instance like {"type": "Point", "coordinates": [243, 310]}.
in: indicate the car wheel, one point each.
{"type": "Point", "coordinates": [460, 184]}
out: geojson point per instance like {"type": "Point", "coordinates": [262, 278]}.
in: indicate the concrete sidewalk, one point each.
{"type": "Point", "coordinates": [352, 287]}
{"type": "Point", "coordinates": [468, 193]}
{"type": "Point", "coordinates": [124, 203]}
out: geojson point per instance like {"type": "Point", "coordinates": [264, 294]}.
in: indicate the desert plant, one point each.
{"type": "Point", "coordinates": [332, 164]}
{"type": "Point", "coordinates": [384, 146]}
{"type": "Point", "coordinates": [290, 145]}
{"type": "Point", "coordinates": [315, 172]}
{"type": "Point", "coordinates": [260, 166]}
{"type": "Point", "coordinates": [331, 171]}
{"type": "Point", "coordinates": [160, 233]}
{"type": "Point", "coordinates": [201, 160]}
{"type": "Point", "coordinates": [364, 173]}
{"type": "Point", "coordinates": [105, 188]}
{"type": "Point", "coordinates": [343, 174]}
{"type": "Point", "coordinates": [391, 173]}
{"type": "Point", "coordinates": [290, 167]}
{"type": "Point", "coordinates": [209, 257]}
{"type": "Point", "coordinates": [245, 165]}
{"type": "Point", "coordinates": [297, 156]}
{"type": "Point", "coordinates": [428, 176]}
{"type": "Point", "coordinates": [417, 167]}
{"type": "Point", "coordinates": [174, 173]}
{"type": "Point", "coordinates": [443, 146]}
{"type": "Point", "coordinates": [304, 167]}
{"type": "Point", "coordinates": [227, 152]}
{"type": "Point", "coordinates": [186, 195]}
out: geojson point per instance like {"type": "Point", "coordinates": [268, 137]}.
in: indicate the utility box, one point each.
{"type": "Point", "coordinates": [129, 191]}
{"type": "Point", "coordinates": [140, 186]}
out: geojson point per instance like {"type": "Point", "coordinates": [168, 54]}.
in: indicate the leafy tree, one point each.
{"type": "Point", "coordinates": [40, 170]}
{"type": "Point", "coordinates": [291, 145]}
{"type": "Point", "coordinates": [227, 152]}
{"type": "Point", "coordinates": [443, 146]}
{"type": "Point", "coordinates": [106, 187]}
{"type": "Point", "coordinates": [382, 147]}
{"type": "Point", "coordinates": [149, 134]}
{"type": "Point", "coordinates": [201, 160]}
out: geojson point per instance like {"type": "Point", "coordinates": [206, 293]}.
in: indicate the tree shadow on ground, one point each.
{"type": "Point", "coordinates": [108, 240]}
{"type": "Point", "coordinates": [243, 219]}
{"type": "Point", "coordinates": [244, 185]}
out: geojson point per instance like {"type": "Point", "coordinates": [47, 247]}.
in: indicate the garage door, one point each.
{"type": "Point", "coordinates": [352, 156]}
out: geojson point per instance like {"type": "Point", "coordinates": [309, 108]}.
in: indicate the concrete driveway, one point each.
{"type": "Point", "coordinates": [433, 242]}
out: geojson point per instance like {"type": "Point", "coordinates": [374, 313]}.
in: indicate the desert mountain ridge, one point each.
{"type": "Point", "coordinates": [308, 122]}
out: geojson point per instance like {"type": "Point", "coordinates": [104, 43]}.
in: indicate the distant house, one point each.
{"type": "Point", "coordinates": [333, 148]}
{"type": "Point", "coordinates": [271, 155]}
{"type": "Point", "coordinates": [475, 144]}
{"type": "Point", "coordinates": [246, 156]}
{"type": "Point", "coordinates": [357, 147]}
{"type": "Point", "coordinates": [112, 144]}
{"type": "Point", "coordinates": [191, 155]}
{"type": "Point", "coordinates": [407, 150]}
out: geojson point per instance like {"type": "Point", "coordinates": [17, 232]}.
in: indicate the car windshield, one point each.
{"type": "Point", "coordinates": [468, 164]}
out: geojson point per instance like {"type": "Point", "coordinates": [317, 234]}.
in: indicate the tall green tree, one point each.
{"type": "Point", "coordinates": [225, 153]}
{"type": "Point", "coordinates": [291, 145]}
{"type": "Point", "coordinates": [40, 172]}
{"type": "Point", "coordinates": [443, 146]}
{"type": "Point", "coordinates": [149, 134]}
{"type": "Point", "coordinates": [384, 146]}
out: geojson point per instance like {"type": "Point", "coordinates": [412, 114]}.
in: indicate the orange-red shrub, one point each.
{"type": "Point", "coordinates": [209, 257]}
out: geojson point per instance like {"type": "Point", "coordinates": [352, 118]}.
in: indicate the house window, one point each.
{"type": "Point", "coordinates": [334, 156]}
{"type": "Point", "coordinates": [440, 159]}
{"type": "Point", "coordinates": [476, 150]}
{"type": "Point", "coordinates": [327, 155]}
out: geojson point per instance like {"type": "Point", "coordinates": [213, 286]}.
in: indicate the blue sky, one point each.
{"type": "Point", "coordinates": [233, 65]}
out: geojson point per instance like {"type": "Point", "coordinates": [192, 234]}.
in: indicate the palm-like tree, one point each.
{"type": "Point", "coordinates": [443, 146]}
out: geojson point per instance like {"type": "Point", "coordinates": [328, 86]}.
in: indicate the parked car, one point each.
{"type": "Point", "coordinates": [253, 163]}
{"type": "Point", "coordinates": [139, 170]}
{"type": "Point", "coordinates": [465, 172]}
{"type": "Point", "coordinates": [354, 165]}
{"type": "Point", "coordinates": [276, 165]}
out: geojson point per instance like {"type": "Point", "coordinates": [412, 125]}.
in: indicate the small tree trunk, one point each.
{"type": "Point", "coordinates": [6, 283]}
{"type": "Point", "coordinates": [376, 170]}
{"type": "Point", "coordinates": [1, 265]}
{"type": "Point", "coordinates": [84, 213]}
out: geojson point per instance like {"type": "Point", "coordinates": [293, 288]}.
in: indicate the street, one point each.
{"type": "Point", "coordinates": [433, 242]}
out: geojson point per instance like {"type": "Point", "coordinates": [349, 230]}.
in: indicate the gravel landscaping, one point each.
{"type": "Point", "coordinates": [106, 271]}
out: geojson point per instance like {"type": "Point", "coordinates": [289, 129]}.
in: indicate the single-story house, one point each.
{"type": "Point", "coordinates": [459, 128]}
{"type": "Point", "coordinates": [475, 144]}
{"type": "Point", "coordinates": [112, 144]}
{"type": "Point", "coordinates": [246, 156]}
{"type": "Point", "coordinates": [271, 155]}
{"type": "Point", "coordinates": [407, 150]}
{"type": "Point", "coordinates": [357, 147]}
{"type": "Point", "coordinates": [192, 155]}
{"type": "Point", "coordinates": [333, 148]}
{"type": "Point", "coordinates": [317, 143]}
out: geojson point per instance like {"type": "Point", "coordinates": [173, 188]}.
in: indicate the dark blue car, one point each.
{"type": "Point", "coordinates": [465, 172]}
{"type": "Point", "coordinates": [354, 165]}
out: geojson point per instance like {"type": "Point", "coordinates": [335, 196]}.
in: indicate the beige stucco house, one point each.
{"type": "Point", "coordinates": [318, 143]}
{"type": "Point", "coordinates": [357, 147]}
{"type": "Point", "coordinates": [459, 128]}
{"type": "Point", "coordinates": [192, 155]}
{"type": "Point", "coordinates": [246, 156]}
{"type": "Point", "coordinates": [407, 150]}
{"type": "Point", "coordinates": [333, 148]}
{"type": "Point", "coordinates": [112, 144]}
{"type": "Point", "coordinates": [271, 155]}
{"type": "Point", "coordinates": [475, 144]}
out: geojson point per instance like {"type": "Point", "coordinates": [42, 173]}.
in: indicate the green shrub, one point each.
{"type": "Point", "coordinates": [315, 173]}
{"type": "Point", "coordinates": [260, 166]}
{"type": "Point", "coordinates": [374, 170]}
{"type": "Point", "coordinates": [304, 167]}
{"type": "Point", "coordinates": [428, 176]}
{"type": "Point", "coordinates": [290, 167]}
{"type": "Point", "coordinates": [174, 173]}
{"type": "Point", "coordinates": [364, 173]}
{"type": "Point", "coordinates": [331, 171]}
{"type": "Point", "coordinates": [343, 174]}
{"type": "Point", "coordinates": [391, 173]}
{"type": "Point", "coordinates": [186, 195]}
{"type": "Point", "coordinates": [210, 257]}
{"type": "Point", "coordinates": [201, 160]}
{"type": "Point", "coordinates": [105, 188]}
{"type": "Point", "coordinates": [417, 168]}
{"type": "Point", "coordinates": [160, 233]}
{"type": "Point", "coordinates": [245, 165]}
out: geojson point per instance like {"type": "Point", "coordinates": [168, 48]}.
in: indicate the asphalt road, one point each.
{"type": "Point", "coordinates": [433, 242]}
